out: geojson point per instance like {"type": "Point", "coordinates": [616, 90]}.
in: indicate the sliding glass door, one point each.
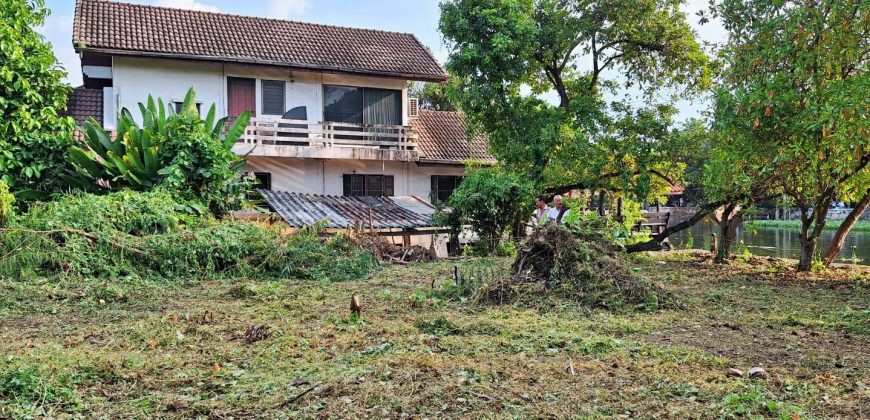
{"type": "Point", "coordinates": [366, 106]}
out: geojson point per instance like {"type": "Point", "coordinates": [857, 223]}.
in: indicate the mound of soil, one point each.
{"type": "Point", "coordinates": [555, 262]}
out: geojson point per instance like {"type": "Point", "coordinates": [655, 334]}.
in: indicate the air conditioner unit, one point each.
{"type": "Point", "coordinates": [413, 107]}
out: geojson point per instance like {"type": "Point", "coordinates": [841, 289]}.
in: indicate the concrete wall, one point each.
{"type": "Point", "coordinates": [134, 78]}
{"type": "Point", "coordinates": [324, 176]}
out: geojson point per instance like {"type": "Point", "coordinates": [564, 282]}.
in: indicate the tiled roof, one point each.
{"type": "Point", "coordinates": [85, 103]}
{"type": "Point", "coordinates": [300, 210]}
{"type": "Point", "coordinates": [443, 136]}
{"type": "Point", "coordinates": [133, 29]}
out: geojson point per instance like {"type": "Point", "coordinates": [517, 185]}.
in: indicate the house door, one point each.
{"type": "Point", "coordinates": [241, 96]}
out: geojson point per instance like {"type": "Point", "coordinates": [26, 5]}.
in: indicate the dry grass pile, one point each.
{"type": "Point", "coordinates": [586, 268]}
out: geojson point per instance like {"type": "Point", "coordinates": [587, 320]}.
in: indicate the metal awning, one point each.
{"type": "Point", "coordinates": [339, 212]}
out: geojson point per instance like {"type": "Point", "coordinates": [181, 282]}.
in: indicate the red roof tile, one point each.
{"type": "Point", "coordinates": [133, 29]}
{"type": "Point", "coordinates": [85, 103]}
{"type": "Point", "coordinates": [443, 136]}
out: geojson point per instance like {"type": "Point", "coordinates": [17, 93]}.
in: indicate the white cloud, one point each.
{"type": "Point", "coordinates": [58, 31]}
{"type": "Point", "coordinates": [286, 8]}
{"type": "Point", "coordinates": [187, 4]}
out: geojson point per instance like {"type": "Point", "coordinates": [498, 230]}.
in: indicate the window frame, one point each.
{"type": "Point", "coordinates": [360, 185]}
{"type": "Point", "coordinates": [263, 83]}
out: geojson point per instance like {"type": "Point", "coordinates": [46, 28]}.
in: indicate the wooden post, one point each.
{"type": "Point", "coordinates": [371, 222]}
{"type": "Point", "coordinates": [601, 203]}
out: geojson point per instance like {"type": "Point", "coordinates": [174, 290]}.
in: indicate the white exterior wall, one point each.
{"type": "Point", "coordinates": [324, 176]}
{"type": "Point", "coordinates": [134, 78]}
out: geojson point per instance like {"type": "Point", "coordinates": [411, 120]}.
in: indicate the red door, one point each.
{"type": "Point", "coordinates": [241, 96]}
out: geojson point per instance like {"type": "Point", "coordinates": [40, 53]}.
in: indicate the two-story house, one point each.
{"type": "Point", "coordinates": [330, 105]}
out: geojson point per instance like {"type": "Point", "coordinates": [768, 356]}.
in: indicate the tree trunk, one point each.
{"type": "Point", "coordinates": [601, 203]}
{"type": "Point", "coordinates": [808, 248]}
{"type": "Point", "coordinates": [727, 233]}
{"type": "Point", "coordinates": [843, 231]}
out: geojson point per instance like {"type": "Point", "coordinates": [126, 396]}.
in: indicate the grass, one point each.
{"type": "Point", "coordinates": [138, 348]}
{"type": "Point", "coordinates": [860, 226]}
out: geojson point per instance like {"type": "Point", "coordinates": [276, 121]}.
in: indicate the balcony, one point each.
{"type": "Point", "coordinates": [326, 140]}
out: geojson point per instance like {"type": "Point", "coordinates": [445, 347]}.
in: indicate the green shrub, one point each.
{"type": "Point", "coordinates": [148, 234]}
{"type": "Point", "coordinates": [128, 212]}
{"type": "Point", "coordinates": [183, 153]}
{"type": "Point", "coordinates": [6, 201]}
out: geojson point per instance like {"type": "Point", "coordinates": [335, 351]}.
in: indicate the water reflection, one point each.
{"type": "Point", "coordinates": [780, 242]}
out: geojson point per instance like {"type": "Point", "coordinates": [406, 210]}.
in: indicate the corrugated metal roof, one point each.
{"type": "Point", "coordinates": [300, 210]}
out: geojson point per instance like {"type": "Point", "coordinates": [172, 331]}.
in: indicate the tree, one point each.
{"type": "Point", "coordinates": [190, 156]}
{"type": "Point", "coordinates": [505, 53]}
{"type": "Point", "coordinates": [490, 201]}
{"type": "Point", "coordinates": [432, 96]}
{"type": "Point", "coordinates": [33, 137]}
{"type": "Point", "coordinates": [796, 84]}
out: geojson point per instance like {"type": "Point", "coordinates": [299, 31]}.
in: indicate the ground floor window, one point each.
{"type": "Point", "coordinates": [356, 185]}
{"type": "Point", "coordinates": [264, 180]}
{"type": "Point", "coordinates": [443, 186]}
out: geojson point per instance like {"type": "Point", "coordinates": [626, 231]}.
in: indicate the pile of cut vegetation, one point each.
{"type": "Point", "coordinates": [133, 234]}
{"type": "Point", "coordinates": [385, 250]}
{"type": "Point", "coordinates": [586, 268]}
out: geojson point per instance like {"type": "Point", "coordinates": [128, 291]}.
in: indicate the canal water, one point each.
{"type": "Point", "coordinates": [777, 242]}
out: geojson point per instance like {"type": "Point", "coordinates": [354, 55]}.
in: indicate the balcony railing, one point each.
{"type": "Point", "coordinates": [283, 132]}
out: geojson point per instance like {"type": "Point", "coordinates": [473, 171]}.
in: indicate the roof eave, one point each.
{"type": "Point", "coordinates": [301, 66]}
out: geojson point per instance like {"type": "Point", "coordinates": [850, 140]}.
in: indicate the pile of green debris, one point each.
{"type": "Point", "coordinates": [133, 234]}
{"type": "Point", "coordinates": [586, 268]}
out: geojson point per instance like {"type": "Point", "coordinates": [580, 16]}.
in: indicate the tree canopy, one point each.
{"type": "Point", "coordinates": [793, 105]}
{"type": "Point", "coordinates": [33, 137]}
{"type": "Point", "coordinates": [507, 55]}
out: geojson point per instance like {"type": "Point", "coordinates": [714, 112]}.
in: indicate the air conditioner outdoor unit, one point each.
{"type": "Point", "coordinates": [413, 107]}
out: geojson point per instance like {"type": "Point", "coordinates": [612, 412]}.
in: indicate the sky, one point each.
{"type": "Point", "coordinates": [419, 17]}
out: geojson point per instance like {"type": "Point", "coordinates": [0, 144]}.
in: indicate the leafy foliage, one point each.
{"type": "Point", "coordinates": [6, 201]}
{"type": "Point", "coordinates": [432, 96]}
{"type": "Point", "coordinates": [33, 137]}
{"type": "Point", "coordinates": [793, 103]}
{"type": "Point", "coordinates": [182, 153]}
{"type": "Point", "coordinates": [490, 201]}
{"type": "Point", "coordinates": [142, 235]}
{"type": "Point", "coordinates": [506, 53]}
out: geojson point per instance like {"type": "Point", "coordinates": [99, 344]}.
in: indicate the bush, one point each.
{"type": "Point", "coordinates": [6, 201]}
{"type": "Point", "coordinates": [148, 234]}
{"type": "Point", "coordinates": [490, 201]}
{"type": "Point", "coordinates": [182, 153]}
{"type": "Point", "coordinates": [128, 212]}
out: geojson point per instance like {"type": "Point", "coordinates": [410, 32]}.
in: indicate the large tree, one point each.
{"type": "Point", "coordinates": [796, 88]}
{"type": "Point", "coordinates": [508, 55]}
{"type": "Point", "coordinates": [33, 137]}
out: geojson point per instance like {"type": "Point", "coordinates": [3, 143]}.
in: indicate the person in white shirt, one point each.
{"type": "Point", "coordinates": [559, 210]}
{"type": "Point", "coordinates": [542, 210]}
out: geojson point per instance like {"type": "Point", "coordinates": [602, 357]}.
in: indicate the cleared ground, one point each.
{"type": "Point", "coordinates": [152, 349]}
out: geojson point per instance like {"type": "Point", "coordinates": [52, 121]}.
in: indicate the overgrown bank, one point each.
{"type": "Point", "coordinates": [142, 235]}
{"type": "Point", "coordinates": [860, 226]}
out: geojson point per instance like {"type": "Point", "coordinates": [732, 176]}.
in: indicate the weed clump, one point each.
{"type": "Point", "coordinates": [583, 267]}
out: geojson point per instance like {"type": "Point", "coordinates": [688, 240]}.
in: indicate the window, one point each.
{"type": "Point", "coordinates": [366, 106]}
{"type": "Point", "coordinates": [177, 107]}
{"type": "Point", "coordinates": [443, 186]}
{"type": "Point", "coordinates": [368, 185]}
{"type": "Point", "coordinates": [264, 180]}
{"type": "Point", "coordinates": [273, 97]}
